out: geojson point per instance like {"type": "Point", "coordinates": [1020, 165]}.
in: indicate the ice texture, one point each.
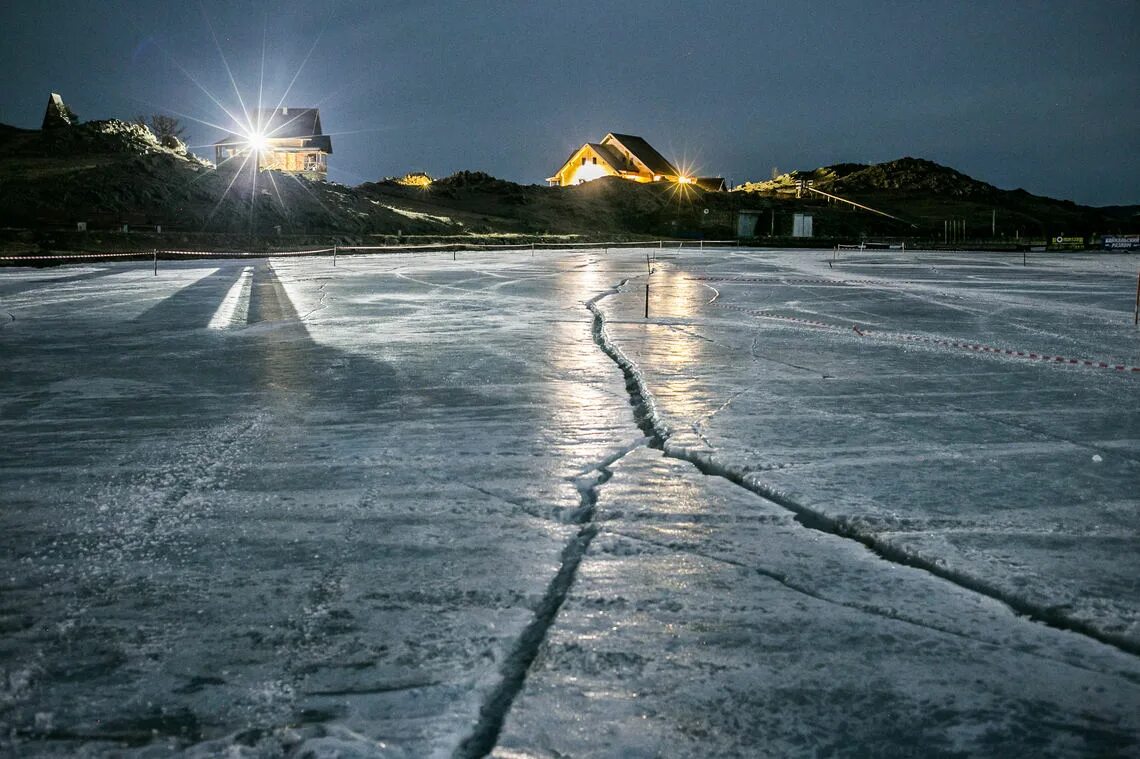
{"type": "Point", "coordinates": [413, 506]}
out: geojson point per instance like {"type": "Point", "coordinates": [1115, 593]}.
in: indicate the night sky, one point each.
{"type": "Point", "coordinates": [1040, 95]}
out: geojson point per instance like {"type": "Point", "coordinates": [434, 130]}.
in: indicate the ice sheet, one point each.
{"type": "Point", "coordinates": [391, 507]}
{"type": "Point", "coordinates": [1015, 475]}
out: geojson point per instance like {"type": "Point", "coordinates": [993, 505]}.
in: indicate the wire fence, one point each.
{"type": "Point", "coordinates": [335, 250]}
{"type": "Point", "coordinates": [157, 254]}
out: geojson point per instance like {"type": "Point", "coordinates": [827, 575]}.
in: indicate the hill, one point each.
{"type": "Point", "coordinates": [925, 194]}
{"type": "Point", "coordinates": [111, 173]}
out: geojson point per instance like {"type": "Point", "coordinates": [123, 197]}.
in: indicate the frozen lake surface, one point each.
{"type": "Point", "coordinates": [883, 505]}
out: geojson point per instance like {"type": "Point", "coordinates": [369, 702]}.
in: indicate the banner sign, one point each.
{"type": "Point", "coordinates": [1067, 243]}
{"type": "Point", "coordinates": [1121, 242]}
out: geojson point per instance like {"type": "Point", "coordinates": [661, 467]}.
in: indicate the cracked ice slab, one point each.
{"type": "Point", "coordinates": [1015, 477]}
{"type": "Point", "coordinates": [287, 535]}
{"type": "Point", "coordinates": [324, 530]}
{"type": "Point", "coordinates": [706, 622]}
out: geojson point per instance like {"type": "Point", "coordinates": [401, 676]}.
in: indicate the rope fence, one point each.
{"type": "Point", "coordinates": [444, 247]}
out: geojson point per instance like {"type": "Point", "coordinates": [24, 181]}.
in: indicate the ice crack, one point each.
{"type": "Point", "coordinates": [514, 669]}
{"type": "Point", "coordinates": [517, 664]}
{"type": "Point", "coordinates": [649, 421]}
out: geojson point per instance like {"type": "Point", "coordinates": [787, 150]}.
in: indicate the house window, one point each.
{"type": "Point", "coordinates": [583, 160]}
{"type": "Point", "coordinates": [595, 160]}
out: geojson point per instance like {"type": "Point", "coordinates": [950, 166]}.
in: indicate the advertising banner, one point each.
{"type": "Point", "coordinates": [1121, 242]}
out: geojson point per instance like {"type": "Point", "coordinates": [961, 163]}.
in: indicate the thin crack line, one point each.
{"type": "Point", "coordinates": [865, 608]}
{"type": "Point", "coordinates": [516, 666]}
{"type": "Point", "coordinates": [648, 420]}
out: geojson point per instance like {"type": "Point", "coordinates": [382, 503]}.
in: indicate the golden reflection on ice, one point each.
{"type": "Point", "coordinates": [580, 399]}
{"type": "Point", "coordinates": [675, 357]}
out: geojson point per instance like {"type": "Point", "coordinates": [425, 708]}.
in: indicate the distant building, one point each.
{"type": "Point", "coordinates": [802, 225]}
{"type": "Point", "coordinates": [626, 156]}
{"type": "Point", "coordinates": [289, 140]}
{"type": "Point", "coordinates": [57, 113]}
{"type": "Point", "coordinates": [747, 222]}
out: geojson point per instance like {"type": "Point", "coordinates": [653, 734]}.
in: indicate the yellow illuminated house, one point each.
{"type": "Point", "coordinates": [626, 156]}
{"type": "Point", "coordinates": [617, 155]}
{"type": "Point", "coordinates": [284, 139]}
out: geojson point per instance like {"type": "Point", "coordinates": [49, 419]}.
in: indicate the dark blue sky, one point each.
{"type": "Point", "coordinates": [1040, 95]}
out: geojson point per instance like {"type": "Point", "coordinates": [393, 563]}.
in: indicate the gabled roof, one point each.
{"type": "Point", "coordinates": [613, 157]}
{"type": "Point", "coordinates": [645, 153]}
{"type": "Point", "coordinates": [289, 124]}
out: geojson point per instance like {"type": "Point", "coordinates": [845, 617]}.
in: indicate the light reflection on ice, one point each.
{"type": "Point", "coordinates": [341, 516]}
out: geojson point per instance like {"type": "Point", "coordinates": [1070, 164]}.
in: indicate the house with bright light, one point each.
{"type": "Point", "coordinates": [284, 139]}
{"type": "Point", "coordinates": [617, 155]}
{"type": "Point", "coordinates": [626, 156]}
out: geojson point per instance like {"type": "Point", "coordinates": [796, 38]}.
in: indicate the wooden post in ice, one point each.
{"type": "Point", "coordinates": [156, 262]}
{"type": "Point", "coordinates": [1136, 312]}
{"type": "Point", "coordinates": [335, 246]}
{"type": "Point", "coordinates": [649, 268]}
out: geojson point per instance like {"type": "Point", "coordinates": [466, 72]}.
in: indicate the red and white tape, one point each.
{"type": "Point", "coordinates": [810, 281]}
{"type": "Point", "coordinates": [941, 342]}
{"type": "Point", "coordinates": [62, 257]}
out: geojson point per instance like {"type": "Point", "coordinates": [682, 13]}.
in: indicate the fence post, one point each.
{"type": "Point", "coordinates": [1136, 313]}
{"type": "Point", "coordinates": [335, 246]}
{"type": "Point", "coordinates": [156, 262]}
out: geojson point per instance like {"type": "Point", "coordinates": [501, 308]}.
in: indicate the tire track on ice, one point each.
{"type": "Point", "coordinates": [650, 422]}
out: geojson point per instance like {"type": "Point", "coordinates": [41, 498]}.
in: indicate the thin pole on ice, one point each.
{"type": "Point", "coordinates": [1136, 312]}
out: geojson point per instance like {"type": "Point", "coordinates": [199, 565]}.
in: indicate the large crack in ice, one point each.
{"type": "Point", "coordinates": [892, 615]}
{"type": "Point", "coordinates": [517, 664]}
{"type": "Point", "coordinates": [653, 426]}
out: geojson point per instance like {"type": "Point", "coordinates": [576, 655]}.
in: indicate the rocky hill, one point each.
{"type": "Point", "coordinates": [926, 194]}
{"type": "Point", "coordinates": [912, 175]}
{"type": "Point", "coordinates": [111, 173]}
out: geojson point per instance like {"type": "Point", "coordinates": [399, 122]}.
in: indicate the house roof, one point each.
{"type": "Point", "coordinates": [613, 157]}
{"type": "Point", "coordinates": [645, 153]}
{"type": "Point", "coordinates": [289, 124]}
